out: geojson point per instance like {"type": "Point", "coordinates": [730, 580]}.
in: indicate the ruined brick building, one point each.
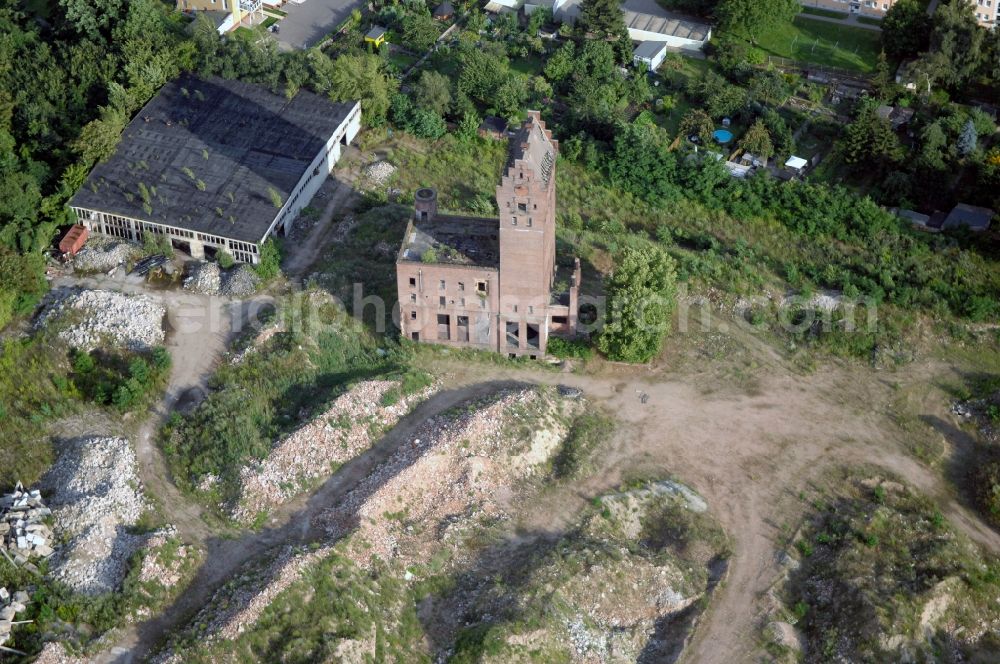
{"type": "Point", "coordinates": [488, 283]}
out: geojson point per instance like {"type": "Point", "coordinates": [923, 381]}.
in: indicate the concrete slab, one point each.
{"type": "Point", "coordinates": [309, 22]}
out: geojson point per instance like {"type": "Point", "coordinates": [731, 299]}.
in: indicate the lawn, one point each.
{"type": "Point", "coordinates": [823, 43]}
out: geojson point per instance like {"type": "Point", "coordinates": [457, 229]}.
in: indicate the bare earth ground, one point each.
{"type": "Point", "coordinates": [748, 444]}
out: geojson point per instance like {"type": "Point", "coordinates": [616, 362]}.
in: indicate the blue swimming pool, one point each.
{"type": "Point", "coordinates": [722, 136]}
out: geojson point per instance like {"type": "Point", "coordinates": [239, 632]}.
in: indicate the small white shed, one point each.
{"type": "Point", "coordinates": [796, 164]}
{"type": "Point", "coordinates": [650, 52]}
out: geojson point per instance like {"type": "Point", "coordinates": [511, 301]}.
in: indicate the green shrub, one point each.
{"type": "Point", "coordinates": [269, 265]}
{"type": "Point", "coordinates": [226, 259]}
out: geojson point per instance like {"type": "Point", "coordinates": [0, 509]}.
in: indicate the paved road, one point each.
{"type": "Point", "coordinates": [307, 23]}
{"type": "Point", "coordinates": [851, 21]}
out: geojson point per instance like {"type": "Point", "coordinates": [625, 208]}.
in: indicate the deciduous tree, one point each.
{"type": "Point", "coordinates": [751, 17]}
{"type": "Point", "coordinates": [642, 293]}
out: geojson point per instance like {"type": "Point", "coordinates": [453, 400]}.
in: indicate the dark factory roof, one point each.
{"type": "Point", "coordinates": [208, 155]}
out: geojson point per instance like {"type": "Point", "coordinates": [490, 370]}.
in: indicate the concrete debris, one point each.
{"type": "Point", "coordinates": [209, 279]}
{"type": "Point", "coordinates": [54, 653]}
{"type": "Point", "coordinates": [97, 495]}
{"type": "Point", "coordinates": [203, 277]}
{"type": "Point", "coordinates": [457, 463]}
{"type": "Point", "coordinates": [241, 281]}
{"type": "Point", "coordinates": [379, 172]}
{"type": "Point", "coordinates": [10, 605]}
{"type": "Point", "coordinates": [102, 254]}
{"type": "Point", "coordinates": [350, 426]}
{"type": "Point", "coordinates": [96, 317]}
{"type": "Point", "coordinates": [24, 535]}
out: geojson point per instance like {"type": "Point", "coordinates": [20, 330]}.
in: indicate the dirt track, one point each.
{"type": "Point", "coordinates": [749, 440]}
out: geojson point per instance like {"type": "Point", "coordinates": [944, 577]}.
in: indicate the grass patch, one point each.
{"type": "Point", "coordinates": [868, 20]}
{"type": "Point", "coordinates": [823, 43]}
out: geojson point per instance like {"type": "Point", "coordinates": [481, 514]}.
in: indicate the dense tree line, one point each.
{"type": "Point", "coordinates": [71, 81]}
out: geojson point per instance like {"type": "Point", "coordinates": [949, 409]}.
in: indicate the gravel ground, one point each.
{"type": "Point", "coordinates": [457, 463]}
{"type": "Point", "coordinates": [97, 496]}
{"type": "Point", "coordinates": [102, 254]}
{"type": "Point", "coordinates": [98, 317]}
{"type": "Point", "coordinates": [351, 425]}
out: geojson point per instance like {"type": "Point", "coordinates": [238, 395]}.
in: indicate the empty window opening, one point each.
{"type": "Point", "coordinates": [413, 297]}
{"type": "Point", "coordinates": [481, 286]}
{"type": "Point", "coordinates": [463, 328]}
{"type": "Point", "coordinates": [444, 327]}
{"type": "Point", "coordinates": [560, 320]}
{"type": "Point", "coordinates": [514, 334]}
{"type": "Point", "coordinates": [522, 207]}
{"type": "Point", "coordinates": [413, 315]}
{"type": "Point", "coordinates": [442, 302]}
{"type": "Point", "coordinates": [413, 282]}
{"type": "Point", "coordinates": [534, 336]}
{"type": "Point", "coordinates": [415, 336]}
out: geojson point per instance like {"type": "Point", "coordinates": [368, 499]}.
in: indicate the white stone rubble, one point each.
{"type": "Point", "coordinates": [10, 605]}
{"type": "Point", "coordinates": [102, 254]}
{"type": "Point", "coordinates": [97, 496]}
{"type": "Point", "coordinates": [208, 278]}
{"type": "Point", "coordinates": [203, 277]}
{"type": "Point", "coordinates": [97, 317]}
{"type": "Point", "coordinates": [24, 535]}
{"type": "Point", "coordinates": [379, 172]}
{"type": "Point", "coordinates": [350, 426]}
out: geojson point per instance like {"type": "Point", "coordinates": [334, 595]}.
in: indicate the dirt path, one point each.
{"type": "Point", "coordinates": [343, 197]}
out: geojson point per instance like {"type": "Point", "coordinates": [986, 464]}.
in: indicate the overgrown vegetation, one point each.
{"type": "Point", "coordinates": [586, 433]}
{"type": "Point", "coordinates": [320, 350]}
{"type": "Point", "coordinates": [41, 382]}
{"type": "Point", "coordinates": [874, 555]}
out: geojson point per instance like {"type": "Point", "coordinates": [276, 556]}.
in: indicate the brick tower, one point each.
{"type": "Point", "coordinates": [526, 198]}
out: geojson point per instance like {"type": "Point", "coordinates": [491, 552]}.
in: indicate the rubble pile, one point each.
{"type": "Point", "coordinates": [209, 279]}
{"type": "Point", "coordinates": [54, 653]}
{"type": "Point", "coordinates": [458, 463]}
{"type": "Point", "coordinates": [102, 254]}
{"type": "Point", "coordinates": [96, 317]}
{"type": "Point", "coordinates": [241, 281]}
{"type": "Point", "coordinates": [379, 172]}
{"type": "Point", "coordinates": [10, 606]}
{"type": "Point", "coordinates": [350, 426]}
{"type": "Point", "coordinates": [203, 277]}
{"type": "Point", "coordinates": [97, 495]}
{"type": "Point", "coordinates": [23, 532]}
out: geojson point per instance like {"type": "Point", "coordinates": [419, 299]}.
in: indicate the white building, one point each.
{"type": "Point", "coordinates": [216, 165]}
{"type": "Point", "coordinates": [650, 52]}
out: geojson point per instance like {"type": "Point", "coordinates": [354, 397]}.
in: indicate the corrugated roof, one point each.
{"type": "Point", "coordinates": [205, 151]}
{"type": "Point", "coordinates": [681, 28]}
